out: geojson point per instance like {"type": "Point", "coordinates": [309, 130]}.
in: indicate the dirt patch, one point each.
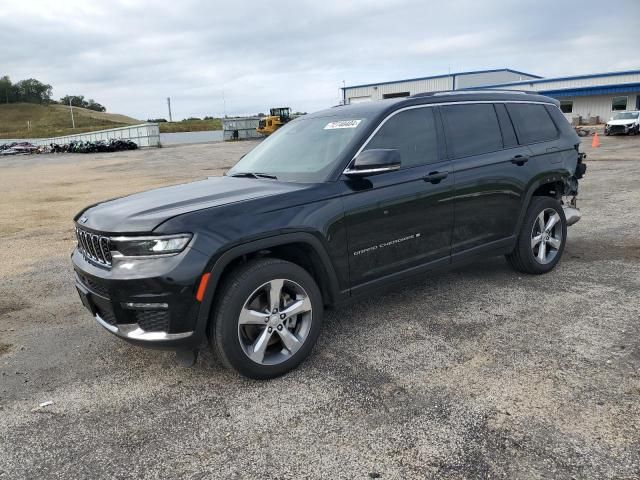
{"type": "Point", "coordinates": [11, 306]}
{"type": "Point", "coordinates": [4, 348]}
{"type": "Point", "coordinates": [589, 249]}
{"type": "Point", "coordinates": [56, 198]}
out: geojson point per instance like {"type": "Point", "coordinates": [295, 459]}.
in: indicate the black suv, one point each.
{"type": "Point", "coordinates": [334, 205]}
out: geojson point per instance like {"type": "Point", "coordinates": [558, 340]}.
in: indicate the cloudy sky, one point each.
{"type": "Point", "coordinates": [130, 55]}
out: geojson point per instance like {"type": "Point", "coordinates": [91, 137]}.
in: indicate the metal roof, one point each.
{"type": "Point", "coordinates": [442, 76]}
{"type": "Point", "coordinates": [587, 91]}
{"type": "Point", "coordinates": [557, 79]}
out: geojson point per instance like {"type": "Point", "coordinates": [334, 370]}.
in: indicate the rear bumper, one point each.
{"type": "Point", "coordinates": [147, 302]}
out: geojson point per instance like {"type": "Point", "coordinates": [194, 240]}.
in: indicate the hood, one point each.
{"type": "Point", "coordinates": [624, 121]}
{"type": "Point", "coordinates": [142, 212]}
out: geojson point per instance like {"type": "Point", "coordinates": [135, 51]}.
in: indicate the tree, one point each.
{"type": "Point", "coordinates": [7, 92]}
{"type": "Point", "coordinates": [79, 101]}
{"type": "Point", "coordinates": [74, 100]}
{"type": "Point", "coordinates": [93, 105]}
{"type": "Point", "coordinates": [32, 91]}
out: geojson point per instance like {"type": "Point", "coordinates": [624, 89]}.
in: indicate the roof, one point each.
{"type": "Point", "coordinates": [372, 109]}
{"type": "Point", "coordinates": [588, 91]}
{"type": "Point", "coordinates": [556, 79]}
{"type": "Point", "coordinates": [442, 76]}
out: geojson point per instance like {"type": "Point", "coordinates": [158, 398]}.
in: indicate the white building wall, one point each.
{"type": "Point", "coordinates": [481, 79]}
{"type": "Point", "coordinates": [599, 105]}
{"type": "Point", "coordinates": [376, 92]}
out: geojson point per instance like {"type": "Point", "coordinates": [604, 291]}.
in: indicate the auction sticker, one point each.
{"type": "Point", "coordinates": [343, 124]}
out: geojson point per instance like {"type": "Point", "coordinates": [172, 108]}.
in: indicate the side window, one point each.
{"type": "Point", "coordinates": [413, 134]}
{"type": "Point", "coordinates": [533, 123]}
{"type": "Point", "coordinates": [508, 134]}
{"type": "Point", "coordinates": [471, 129]}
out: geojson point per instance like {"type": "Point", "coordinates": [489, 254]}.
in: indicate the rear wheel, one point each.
{"type": "Point", "coordinates": [541, 239]}
{"type": "Point", "coordinates": [267, 318]}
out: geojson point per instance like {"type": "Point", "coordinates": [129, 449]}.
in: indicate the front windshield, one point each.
{"type": "Point", "coordinates": [626, 116]}
{"type": "Point", "coordinates": [304, 150]}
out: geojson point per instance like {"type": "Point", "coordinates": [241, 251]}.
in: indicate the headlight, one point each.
{"type": "Point", "coordinates": [150, 246]}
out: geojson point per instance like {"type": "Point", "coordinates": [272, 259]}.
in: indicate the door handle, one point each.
{"type": "Point", "coordinates": [520, 160]}
{"type": "Point", "coordinates": [435, 177]}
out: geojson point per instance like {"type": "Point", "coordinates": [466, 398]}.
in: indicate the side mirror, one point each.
{"type": "Point", "coordinates": [374, 162]}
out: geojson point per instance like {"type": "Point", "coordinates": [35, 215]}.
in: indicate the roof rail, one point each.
{"type": "Point", "coordinates": [473, 91]}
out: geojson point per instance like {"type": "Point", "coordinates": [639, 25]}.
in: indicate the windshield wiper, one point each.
{"type": "Point", "coordinates": [254, 175]}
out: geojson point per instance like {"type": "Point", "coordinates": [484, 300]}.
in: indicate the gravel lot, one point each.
{"type": "Point", "coordinates": [478, 373]}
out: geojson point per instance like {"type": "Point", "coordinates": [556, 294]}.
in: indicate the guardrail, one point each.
{"type": "Point", "coordinates": [144, 135]}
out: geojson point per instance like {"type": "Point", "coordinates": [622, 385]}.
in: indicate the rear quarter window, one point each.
{"type": "Point", "coordinates": [532, 122]}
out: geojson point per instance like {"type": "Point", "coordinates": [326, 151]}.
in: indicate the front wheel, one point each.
{"type": "Point", "coordinates": [541, 239]}
{"type": "Point", "coordinates": [267, 318]}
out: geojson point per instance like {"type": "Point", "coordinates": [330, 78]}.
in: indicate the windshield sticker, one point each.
{"type": "Point", "coordinates": [343, 124]}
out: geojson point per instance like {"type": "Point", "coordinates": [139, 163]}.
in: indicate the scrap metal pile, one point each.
{"type": "Point", "coordinates": [113, 145]}
{"type": "Point", "coordinates": [18, 148]}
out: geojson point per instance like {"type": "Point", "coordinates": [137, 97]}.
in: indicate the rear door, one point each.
{"type": "Point", "coordinates": [491, 172]}
{"type": "Point", "coordinates": [401, 221]}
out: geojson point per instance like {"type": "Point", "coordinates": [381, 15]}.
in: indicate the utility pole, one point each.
{"type": "Point", "coordinates": [224, 105]}
{"type": "Point", "coordinates": [73, 122]}
{"type": "Point", "coordinates": [169, 105]}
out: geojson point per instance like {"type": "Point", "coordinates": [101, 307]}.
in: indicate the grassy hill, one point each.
{"type": "Point", "coordinates": [190, 126]}
{"type": "Point", "coordinates": [54, 120]}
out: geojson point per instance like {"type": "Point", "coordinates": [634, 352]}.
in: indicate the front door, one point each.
{"type": "Point", "coordinates": [401, 221]}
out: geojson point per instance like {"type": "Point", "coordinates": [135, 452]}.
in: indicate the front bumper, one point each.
{"type": "Point", "coordinates": [619, 129]}
{"type": "Point", "coordinates": [149, 302]}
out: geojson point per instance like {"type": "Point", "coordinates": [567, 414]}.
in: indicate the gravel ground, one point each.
{"type": "Point", "coordinates": [477, 373]}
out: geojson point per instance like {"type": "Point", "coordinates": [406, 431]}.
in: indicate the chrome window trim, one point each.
{"type": "Point", "coordinates": [431, 105]}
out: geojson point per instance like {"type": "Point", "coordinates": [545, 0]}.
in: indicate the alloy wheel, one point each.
{"type": "Point", "coordinates": [546, 236]}
{"type": "Point", "coordinates": [275, 321]}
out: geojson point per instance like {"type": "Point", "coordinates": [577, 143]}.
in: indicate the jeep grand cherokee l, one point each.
{"type": "Point", "coordinates": [334, 205]}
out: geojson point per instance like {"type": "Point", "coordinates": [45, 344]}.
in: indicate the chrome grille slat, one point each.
{"type": "Point", "coordinates": [94, 247]}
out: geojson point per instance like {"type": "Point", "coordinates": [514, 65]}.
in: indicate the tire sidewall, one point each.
{"type": "Point", "coordinates": [538, 205]}
{"type": "Point", "coordinates": [225, 323]}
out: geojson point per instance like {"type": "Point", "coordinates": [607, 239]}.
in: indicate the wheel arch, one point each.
{"type": "Point", "coordinates": [301, 248]}
{"type": "Point", "coordinates": [549, 186]}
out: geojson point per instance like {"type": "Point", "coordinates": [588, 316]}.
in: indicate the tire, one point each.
{"type": "Point", "coordinates": [261, 336]}
{"type": "Point", "coordinates": [537, 249]}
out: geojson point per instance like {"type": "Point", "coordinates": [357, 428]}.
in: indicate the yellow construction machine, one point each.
{"type": "Point", "coordinates": [277, 117]}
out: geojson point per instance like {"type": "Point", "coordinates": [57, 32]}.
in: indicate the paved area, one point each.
{"type": "Point", "coordinates": [477, 373]}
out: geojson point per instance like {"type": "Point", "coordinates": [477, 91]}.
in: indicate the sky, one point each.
{"type": "Point", "coordinates": [243, 57]}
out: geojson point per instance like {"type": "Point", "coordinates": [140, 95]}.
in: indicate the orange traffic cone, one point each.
{"type": "Point", "coordinates": [595, 143]}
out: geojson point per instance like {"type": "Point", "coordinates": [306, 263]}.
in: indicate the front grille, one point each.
{"type": "Point", "coordinates": [153, 320]}
{"type": "Point", "coordinates": [94, 286]}
{"type": "Point", "coordinates": [94, 247]}
{"type": "Point", "coordinates": [616, 129]}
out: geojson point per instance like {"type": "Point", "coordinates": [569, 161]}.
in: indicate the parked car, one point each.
{"type": "Point", "coordinates": [333, 206]}
{"type": "Point", "coordinates": [627, 123]}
